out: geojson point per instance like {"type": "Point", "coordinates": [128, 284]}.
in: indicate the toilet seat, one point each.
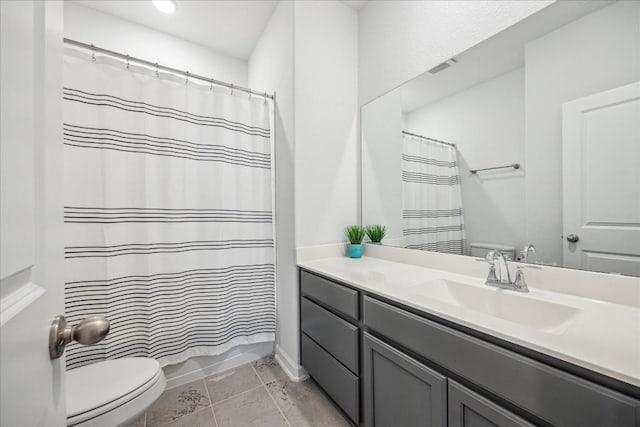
{"type": "Point", "coordinates": [112, 392]}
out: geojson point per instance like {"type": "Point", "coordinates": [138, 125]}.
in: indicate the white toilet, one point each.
{"type": "Point", "coordinates": [113, 392]}
{"type": "Point", "coordinates": [480, 250]}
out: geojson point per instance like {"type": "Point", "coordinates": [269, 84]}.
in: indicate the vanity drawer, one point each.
{"type": "Point", "coordinates": [557, 397]}
{"type": "Point", "coordinates": [336, 335]}
{"type": "Point", "coordinates": [335, 379]}
{"type": "Point", "coordinates": [325, 291]}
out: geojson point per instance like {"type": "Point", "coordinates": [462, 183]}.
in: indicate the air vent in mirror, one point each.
{"type": "Point", "coordinates": [446, 64]}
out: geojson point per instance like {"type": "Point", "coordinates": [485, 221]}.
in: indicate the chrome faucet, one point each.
{"type": "Point", "coordinates": [526, 250]}
{"type": "Point", "coordinates": [499, 275]}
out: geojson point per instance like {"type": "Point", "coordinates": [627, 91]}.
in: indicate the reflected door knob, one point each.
{"type": "Point", "coordinates": [89, 331]}
{"type": "Point", "coordinates": [573, 238]}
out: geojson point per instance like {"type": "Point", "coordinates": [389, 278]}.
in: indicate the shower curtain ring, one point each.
{"type": "Point", "coordinates": [93, 53]}
{"type": "Point", "coordinates": [128, 65]}
{"type": "Point", "coordinates": [157, 73]}
{"type": "Point", "coordinates": [186, 81]}
{"type": "Point", "coordinates": [211, 87]}
{"type": "Point", "coordinates": [265, 97]}
{"type": "Point", "coordinates": [232, 89]}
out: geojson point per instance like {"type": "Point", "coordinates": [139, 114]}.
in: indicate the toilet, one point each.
{"type": "Point", "coordinates": [113, 392]}
{"type": "Point", "coordinates": [481, 250]}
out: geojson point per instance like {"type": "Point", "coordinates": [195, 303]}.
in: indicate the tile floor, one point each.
{"type": "Point", "coordinates": [256, 394]}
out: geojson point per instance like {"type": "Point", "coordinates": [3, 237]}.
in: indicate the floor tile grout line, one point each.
{"type": "Point", "coordinates": [182, 416]}
{"type": "Point", "coordinates": [204, 381]}
{"type": "Point", "coordinates": [215, 420]}
{"type": "Point", "coordinates": [236, 395]}
{"type": "Point", "coordinates": [270, 396]}
{"type": "Point", "coordinates": [257, 374]}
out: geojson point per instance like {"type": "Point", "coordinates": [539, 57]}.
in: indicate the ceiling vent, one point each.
{"type": "Point", "coordinates": [446, 64]}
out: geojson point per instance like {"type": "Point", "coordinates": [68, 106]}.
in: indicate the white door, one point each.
{"type": "Point", "coordinates": [601, 181]}
{"type": "Point", "coordinates": [31, 252]}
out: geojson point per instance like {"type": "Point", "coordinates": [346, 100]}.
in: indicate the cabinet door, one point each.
{"type": "Point", "coordinates": [469, 409]}
{"type": "Point", "coordinates": [400, 391]}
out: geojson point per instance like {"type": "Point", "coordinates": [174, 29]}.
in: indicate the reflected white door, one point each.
{"type": "Point", "coordinates": [31, 244]}
{"type": "Point", "coordinates": [601, 181]}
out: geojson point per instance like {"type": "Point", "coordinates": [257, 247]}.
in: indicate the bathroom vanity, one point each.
{"type": "Point", "coordinates": [401, 345]}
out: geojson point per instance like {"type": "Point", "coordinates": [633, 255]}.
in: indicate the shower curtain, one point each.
{"type": "Point", "coordinates": [168, 212]}
{"type": "Point", "coordinates": [432, 213]}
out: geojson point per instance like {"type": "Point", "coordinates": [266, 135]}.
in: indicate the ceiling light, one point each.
{"type": "Point", "coordinates": [165, 6]}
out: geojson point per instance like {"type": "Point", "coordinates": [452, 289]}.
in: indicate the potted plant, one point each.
{"type": "Point", "coordinates": [355, 234]}
{"type": "Point", "coordinates": [376, 233]}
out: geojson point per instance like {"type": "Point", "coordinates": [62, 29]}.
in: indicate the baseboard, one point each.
{"type": "Point", "coordinates": [203, 366]}
{"type": "Point", "coordinates": [294, 371]}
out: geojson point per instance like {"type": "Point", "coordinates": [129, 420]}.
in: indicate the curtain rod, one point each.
{"type": "Point", "coordinates": [157, 66]}
{"type": "Point", "coordinates": [428, 139]}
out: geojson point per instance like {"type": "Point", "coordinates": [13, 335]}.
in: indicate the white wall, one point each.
{"type": "Point", "coordinates": [107, 31]}
{"type": "Point", "coordinates": [271, 69]}
{"type": "Point", "coordinates": [400, 40]}
{"type": "Point", "coordinates": [382, 124]}
{"type": "Point", "coordinates": [486, 122]}
{"type": "Point", "coordinates": [598, 52]}
{"type": "Point", "coordinates": [326, 123]}
{"type": "Point", "coordinates": [308, 56]}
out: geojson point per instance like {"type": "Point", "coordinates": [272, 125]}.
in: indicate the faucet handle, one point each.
{"type": "Point", "coordinates": [520, 283]}
{"type": "Point", "coordinates": [491, 277]}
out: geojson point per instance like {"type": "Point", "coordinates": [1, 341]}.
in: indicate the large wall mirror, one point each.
{"type": "Point", "coordinates": [528, 142]}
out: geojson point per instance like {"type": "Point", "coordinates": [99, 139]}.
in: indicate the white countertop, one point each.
{"type": "Point", "coordinates": [602, 336]}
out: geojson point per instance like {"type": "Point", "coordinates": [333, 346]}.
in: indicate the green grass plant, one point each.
{"type": "Point", "coordinates": [376, 232]}
{"type": "Point", "coordinates": [355, 234]}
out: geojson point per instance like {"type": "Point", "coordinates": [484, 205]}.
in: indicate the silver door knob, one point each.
{"type": "Point", "coordinates": [89, 331]}
{"type": "Point", "coordinates": [573, 238]}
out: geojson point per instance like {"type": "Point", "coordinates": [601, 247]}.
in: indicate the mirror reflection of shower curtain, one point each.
{"type": "Point", "coordinates": [168, 213]}
{"type": "Point", "coordinates": [432, 213]}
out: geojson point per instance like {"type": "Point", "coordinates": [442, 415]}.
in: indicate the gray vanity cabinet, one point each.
{"type": "Point", "coordinates": [469, 409]}
{"type": "Point", "coordinates": [400, 367]}
{"type": "Point", "coordinates": [545, 392]}
{"type": "Point", "coordinates": [400, 391]}
{"type": "Point", "coordinates": [329, 340]}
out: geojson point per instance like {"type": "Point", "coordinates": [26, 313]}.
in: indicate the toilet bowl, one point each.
{"type": "Point", "coordinates": [113, 392]}
{"type": "Point", "coordinates": [480, 250]}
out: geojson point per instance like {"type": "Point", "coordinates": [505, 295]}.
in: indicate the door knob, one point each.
{"type": "Point", "coordinates": [89, 331]}
{"type": "Point", "coordinates": [573, 238]}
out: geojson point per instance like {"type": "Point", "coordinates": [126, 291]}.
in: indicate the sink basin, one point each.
{"type": "Point", "coordinates": [500, 303]}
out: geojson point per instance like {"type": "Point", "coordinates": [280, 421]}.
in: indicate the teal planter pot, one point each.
{"type": "Point", "coordinates": [355, 251]}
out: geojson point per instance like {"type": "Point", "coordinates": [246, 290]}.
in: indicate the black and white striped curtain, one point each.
{"type": "Point", "coordinates": [432, 213]}
{"type": "Point", "coordinates": [168, 212]}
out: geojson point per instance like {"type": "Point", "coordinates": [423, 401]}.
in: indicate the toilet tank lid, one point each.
{"type": "Point", "coordinates": [99, 384]}
{"type": "Point", "coordinates": [500, 247]}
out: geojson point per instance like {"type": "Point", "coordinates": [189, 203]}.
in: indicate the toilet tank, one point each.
{"type": "Point", "coordinates": [481, 250]}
